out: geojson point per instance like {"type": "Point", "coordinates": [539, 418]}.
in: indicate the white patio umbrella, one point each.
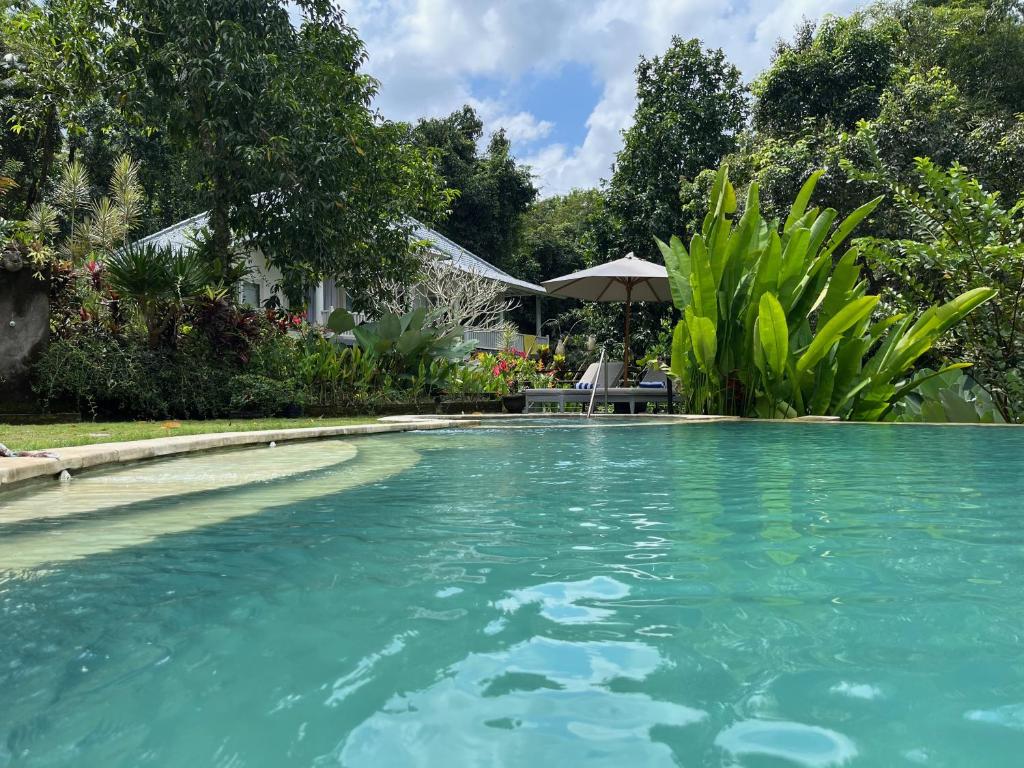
{"type": "Point", "coordinates": [627, 279]}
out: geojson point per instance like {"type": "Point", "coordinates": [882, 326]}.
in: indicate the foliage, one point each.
{"type": "Point", "coordinates": [565, 233]}
{"type": "Point", "coordinates": [691, 103]}
{"type": "Point", "coordinates": [494, 190]}
{"type": "Point", "coordinates": [961, 237]}
{"type": "Point", "coordinates": [401, 344]}
{"type": "Point", "coordinates": [772, 326]}
{"type": "Point", "coordinates": [947, 397]}
{"type": "Point", "coordinates": [54, 71]}
{"type": "Point", "coordinates": [511, 371]}
{"type": "Point", "coordinates": [835, 71]}
{"type": "Point", "coordinates": [264, 396]}
{"type": "Point", "coordinates": [931, 79]}
{"type": "Point", "coordinates": [273, 126]}
{"type": "Point", "coordinates": [100, 373]}
{"type": "Point", "coordinates": [161, 281]}
{"type": "Point", "coordinates": [78, 227]}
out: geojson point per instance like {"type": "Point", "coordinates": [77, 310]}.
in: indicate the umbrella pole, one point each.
{"type": "Point", "coordinates": [625, 343]}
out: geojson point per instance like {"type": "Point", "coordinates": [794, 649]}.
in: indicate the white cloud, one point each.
{"type": "Point", "coordinates": [522, 126]}
{"type": "Point", "coordinates": [427, 54]}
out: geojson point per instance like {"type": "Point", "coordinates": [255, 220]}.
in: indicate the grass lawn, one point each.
{"type": "Point", "coordinates": [34, 437]}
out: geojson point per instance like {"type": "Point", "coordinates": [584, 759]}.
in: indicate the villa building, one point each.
{"type": "Point", "coordinates": [262, 279]}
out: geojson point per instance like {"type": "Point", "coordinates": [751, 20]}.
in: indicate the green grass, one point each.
{"type": "Point", "coordinates": [34, 437]}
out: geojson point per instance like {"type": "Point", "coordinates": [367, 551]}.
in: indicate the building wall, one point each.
{"type": "Point", "coordinates": [24, 330]}
{"type": "Point", "coordinates": [260, 281]}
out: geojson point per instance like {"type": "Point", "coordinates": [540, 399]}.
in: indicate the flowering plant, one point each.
{"type": "Point", "coordinates": [512, 370]}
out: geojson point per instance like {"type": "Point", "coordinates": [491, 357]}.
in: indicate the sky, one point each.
{"type": "Point", "coordinates": [557, 75]}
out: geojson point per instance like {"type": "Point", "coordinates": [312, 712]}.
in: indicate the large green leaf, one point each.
{"type": "Point", "coordinates": [705, 292]}
{"type": "Point", "coordinates": [704, 341]}
{"type": "Point", "coordinates": [773, 333]}
{"type": "Point", "coordinates": [680, 351]}
{"type": "Point", "coordinates": [803, 197]}
{"type": "Point", "coordinates": [844, 277]}
{"type": "Point", "coordinates": [850, 223]}
{"type": "Point", "coordinates": [340, 321]}
{"type": "Point", "coordinates": [415, 319]}
{"type": "Point", "coordinates": [829, 335]}
{"type": "Point", "coordinates": [794, 259]}
{"type": "Point", "coordinates": [677, 264]}
{"type": "Point", "coordinates": [389, 327]}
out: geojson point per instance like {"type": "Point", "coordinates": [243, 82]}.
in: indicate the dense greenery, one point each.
{"type": "Point", "coordinates": [774, 326]}
{"type": "Point", "coordinates": [493, 190]}
{"type": "Point", "coordinates": [690, 106]}
{"type": "Point", "coordinates": [264, 123]}
{"type": "Point", "coordinates": [122, 116]}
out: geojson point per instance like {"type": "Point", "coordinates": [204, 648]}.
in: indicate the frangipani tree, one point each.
{"type": "Point", "coordinates": [775, 325]}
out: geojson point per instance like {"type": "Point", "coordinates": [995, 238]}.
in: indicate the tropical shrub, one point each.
{"type": "Point", "coordinates": [401, 344]}
{"type": "Point", "coordinates": [963, 237]}
{"type": "Point", "coordinates": [103, 374]}
{"type": "Point", "coordinates": [511, 371]}
{"type": "Point", "coordinates": [952, 396]}
{"type": "Point", "coordinates": [160, 281]}
{"type": "Point", "coordinates": [264, 396]}
{"type": "Point", "coordinates": [774, 326]}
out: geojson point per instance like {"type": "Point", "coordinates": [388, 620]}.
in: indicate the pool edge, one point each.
{"type": "Point", "coordinates": [18, 472]}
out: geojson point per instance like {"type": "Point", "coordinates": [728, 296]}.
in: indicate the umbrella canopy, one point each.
{"type": "Point", "coordinates": [627, 279]}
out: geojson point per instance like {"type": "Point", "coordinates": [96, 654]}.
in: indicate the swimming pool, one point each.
{"type": "Point", "coordinates": [704, 594]}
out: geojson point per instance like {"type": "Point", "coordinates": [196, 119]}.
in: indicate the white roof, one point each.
{"type": "Point", "coordinates": [179, 236]}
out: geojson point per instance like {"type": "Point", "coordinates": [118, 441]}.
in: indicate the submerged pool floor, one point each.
{"type": "Point", "coordinates": [699, 595]}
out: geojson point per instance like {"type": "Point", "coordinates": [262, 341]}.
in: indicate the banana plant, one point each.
{"type": "Point", "coordinates": [777, 324]}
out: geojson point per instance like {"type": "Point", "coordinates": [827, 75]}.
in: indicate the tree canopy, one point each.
{"type": "Point", "coordinates": [494, 189]}
{"type": "Point", "coordinates": [691, 104]}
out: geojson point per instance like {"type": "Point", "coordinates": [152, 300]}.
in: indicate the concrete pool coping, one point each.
{"type": "Point", "coordinates": [18, 471]}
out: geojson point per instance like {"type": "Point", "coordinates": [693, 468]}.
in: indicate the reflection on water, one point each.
{"type": "Point", "coordinates": [545, 701]}
{"type": "Point", "coordinates": [726, 594]}
{"type": "Point", "coordinates": [794, 742]}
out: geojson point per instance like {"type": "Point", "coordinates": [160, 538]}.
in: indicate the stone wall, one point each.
{"type": "Point", "coordinates": [24, 328]}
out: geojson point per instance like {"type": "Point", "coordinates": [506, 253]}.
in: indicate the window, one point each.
{"type": "Point", "coordinates": [251, 294]}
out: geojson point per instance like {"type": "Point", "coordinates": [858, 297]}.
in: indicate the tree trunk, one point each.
{"type": "Point", "coordinates": [35, 193]}
{"type": "Point", "coordinates": [220, 232]}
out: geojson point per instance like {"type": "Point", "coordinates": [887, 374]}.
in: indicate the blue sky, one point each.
{"type": "Point", "coordinates": [556, 74]}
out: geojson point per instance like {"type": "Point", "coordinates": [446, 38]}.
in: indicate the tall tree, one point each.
{"type": "Point", "coordinates": [52, 71]}
{"type": "Point", "coordinates": [207, 70]}
{"type": "Point", "coordinates": [565, 233]}
{"type": "Point", "coordinates": [691, 104]}
{"type": "Point", "coordinates": [835, 71]}
{"type": "Point", "coordinates": [899, 67]}
{"type": "Point", "coordinates": [494, 189]}
{"type": "Point", "coordinates": [273, 125]}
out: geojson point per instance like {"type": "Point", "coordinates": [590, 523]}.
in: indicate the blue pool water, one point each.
{"type": "Point", "coordinates": [703, 595]}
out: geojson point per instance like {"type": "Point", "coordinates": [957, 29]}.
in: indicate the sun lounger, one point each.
{"type": "Point", "coordinates": [596, 376]}
{"type": "Point", "coordinates": [654, 387]}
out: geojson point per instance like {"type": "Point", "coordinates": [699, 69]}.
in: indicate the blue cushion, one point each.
{"type": "Point", "coordinates": [584, 385]}
{"type": "Point", "coordinates": [651, 385]}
